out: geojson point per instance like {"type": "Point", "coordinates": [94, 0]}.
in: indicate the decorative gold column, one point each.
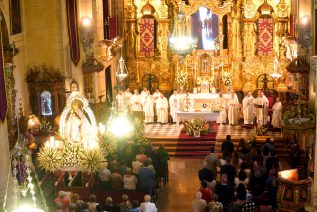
{"type": "Point", "coordinates": [313, 63]}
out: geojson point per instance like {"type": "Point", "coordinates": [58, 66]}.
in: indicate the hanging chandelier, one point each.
{"type": "Point", "coordinates": [276, 74]}
{"type": "Point", "coordinates": [122, 72]}
{"type": "Point", "coordinates": [181, 42]}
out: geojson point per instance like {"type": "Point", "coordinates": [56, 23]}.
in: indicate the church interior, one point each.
{"type": "Point", "coordinates": [158, 105]}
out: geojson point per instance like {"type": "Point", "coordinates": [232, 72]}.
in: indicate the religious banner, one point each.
{"type": "Point", "coordinates": [113, 27]}
{"type": "Point", "coordinates": [266, 27]}
{"type": "Point", "coordinates": [147, 37]}
{"type": "Point", "coordinates": [72, 24]}
{"type": "Point", "coordinates": [3, 96]}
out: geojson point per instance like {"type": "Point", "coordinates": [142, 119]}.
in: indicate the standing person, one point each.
{"type": "Point", "coordinates": [224, 191]}
{"type": "Point", "coordinates": [222, 119]}
{"type": "Point", "coordinates": [162, 109]}
{"type": "Point", "coordinates": [148, 108]}
{"type": "Point", "coordinates": [229, 169]}
{"type": "Point", "coordinates": [248, 109]}
{"type": "Point", "coordinates": [162, 157]}
{"type": "Point", "coordinates": [227, 147]}
{"type": "Point", "coordinates": [277, 114]}
{"type": "Point", "coordinates": [261, 104]}
{"type": "Point", "coordinates": [212, 161]}
{"type": "Point", "coordinates": [120, 101]}
{"type": "Point", "coordinates": [147, 205]}
{"type": "Point", "coordinates": [199, 204]}
{"type": "Point", "coordinates": [147, 179]}
{"type": "Point", "coordinates": [233, 103]}
{"type": "Point", "coordinates": [173, 101]}
{"type": "Point", "coordinates": [144, 92]}
{"type": "Point", "coordinates": [92, 204]}
{"type": "Point", "coordinates": [136, 101]}
{"type": "Point", "coordinates": [156, 94]}
{"type": "Point", "coordinates": [127, 97]}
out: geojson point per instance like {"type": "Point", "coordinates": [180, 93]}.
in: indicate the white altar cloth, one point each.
{"type": "Point", "coordinates": [187, 116]}
{"type": "Point", "coordinates": [198, 96]}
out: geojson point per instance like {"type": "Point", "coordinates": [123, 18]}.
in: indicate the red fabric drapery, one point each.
{"type": "Point", "coordinates": [72, 23]}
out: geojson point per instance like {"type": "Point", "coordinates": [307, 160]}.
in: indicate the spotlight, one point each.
{"type": "Point", "coordinates": [304, 20]}
{"type": "Point", "coordinates": [86, 22]}
{"type": "Point", "coordinates": [27, 208]}
{"type": "Point", "coordinates": [120, 126]}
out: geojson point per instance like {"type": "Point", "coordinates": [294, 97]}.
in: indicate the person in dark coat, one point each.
{"type": "Point", "coordinates": [147, 179]}
{"type": "Point", "coordinates": [227, 147]}
{"type": "Point", "coordinates": [205, 175]}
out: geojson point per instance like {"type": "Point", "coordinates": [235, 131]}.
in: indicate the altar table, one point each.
{"type": "Point", "coordinates": [187, 116]}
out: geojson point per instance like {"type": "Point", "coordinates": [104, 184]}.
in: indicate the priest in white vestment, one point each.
{"type": "Point", "coordinates": [120, 101]}
{"type": "Point", "coordinates": [148, 108]}
{"type": "Point", "coordinates": [277, 114]}
{"type": "Point", "coordinates": [248, 108]}
{"type": "Point", "coordinates": [144, 93]}
{"type": "Point", "coordinates": [127, 96]}
{"type": "Point", "coordinates": [173, 102]}
{"type": "Point", "coordinates": [162, 109]}
{"type": "Point", "coordinates": [233, 112]}
{"type": "Point", "coordinates": [156, 94]}
{"type": "Point", "coordinates": [261, 104]}
{"type": "Point", "coordinates": [222, 101]}
{"type": "Point", "coordinates": [136, 101]}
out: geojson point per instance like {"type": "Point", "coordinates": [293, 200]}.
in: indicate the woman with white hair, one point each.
{"type": "Point", "coordinates": [147, 205]}
{"type": "Point", "coordinates": [199, 204]}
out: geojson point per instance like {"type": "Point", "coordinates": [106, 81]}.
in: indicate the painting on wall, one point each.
{"type": "Point", "coordinates": [15, 17]}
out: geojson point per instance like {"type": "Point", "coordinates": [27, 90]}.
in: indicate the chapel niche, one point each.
{"type": "Point", "coordinates": [47, 91]}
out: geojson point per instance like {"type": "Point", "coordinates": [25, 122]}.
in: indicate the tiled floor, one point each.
{"type": "Point", "coordinates": [178, 194]}
{"type": "Point", "coordinates": [172, 131]}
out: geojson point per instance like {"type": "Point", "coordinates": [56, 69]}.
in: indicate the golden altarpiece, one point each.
{"type": "Point", "coordinates": [249, 37]}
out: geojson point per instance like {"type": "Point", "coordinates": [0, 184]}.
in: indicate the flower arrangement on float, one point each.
{"type": "Point", "coordinates": [77, 146]}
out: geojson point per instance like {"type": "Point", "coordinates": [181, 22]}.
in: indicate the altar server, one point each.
{"type": "Point", "coordinates": [248, 108]}
{"type": "Point", "coordinates": [120, 101]}
{"type": "Point", "coordinates": [173, 102]}
{"type": "Point", "coordinates": [261, 104]}
{"type": "Point", "coordinates": [277, 114]}
{"type": "Point", "coordinates": [233, 112]}
{"type": "Point", "coordinates": [162, 109]}
{"type": "Point", "coordinates": [136, 101]}
{"type": "Point", "coordinates": [222, 101]}
{"type": "Point", "coordinates": [148, 108]}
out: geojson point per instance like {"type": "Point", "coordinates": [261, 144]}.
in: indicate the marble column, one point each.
{"type": "Point", "coordinates": [313, 64]}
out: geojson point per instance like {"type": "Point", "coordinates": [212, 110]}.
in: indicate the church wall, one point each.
{"type": "Point", "coordinates": [43, 33]}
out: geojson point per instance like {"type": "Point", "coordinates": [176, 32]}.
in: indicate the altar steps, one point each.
{"type": "Point", "coordinates": [185, 148]}
{"type": "Point", "coordinates": [202, 148]}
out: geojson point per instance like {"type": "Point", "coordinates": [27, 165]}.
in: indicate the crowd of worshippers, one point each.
{"type": "Point", "coordinates": [144, 173]}
{"type": "Point", "coordinates": [243, 179]}
{"type": "Point", "coordinates": [254, 110]}
{"type": "Point", "coordinates": [66, 202]}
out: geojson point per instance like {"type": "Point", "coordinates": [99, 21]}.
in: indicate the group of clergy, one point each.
{"type": "Point", "coordinates": [251, 108]}
{"type": "Point", "coordinates": [230, 106]}
{"type": "Point", "coordinates": [149, 104]}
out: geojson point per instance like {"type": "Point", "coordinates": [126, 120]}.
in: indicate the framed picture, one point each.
{"type": "Point", "coordinates": [15, 17]}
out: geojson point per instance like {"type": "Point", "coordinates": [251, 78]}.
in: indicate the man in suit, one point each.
{"type": "Point", "coordinates": [227, 147]}
{"type": "Point", "coordinates": [147, 178]}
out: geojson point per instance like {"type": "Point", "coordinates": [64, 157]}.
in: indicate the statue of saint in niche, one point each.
{"type": "Point", "coordinates": [46, 103]}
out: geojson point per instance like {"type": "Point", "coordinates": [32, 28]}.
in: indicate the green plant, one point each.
{"type": "Point", "coordinates": [45, 127]}
{"type": "Point", "coordinates": [196, 124]}
{"type": "Point", "coordinates": [260, 130]}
